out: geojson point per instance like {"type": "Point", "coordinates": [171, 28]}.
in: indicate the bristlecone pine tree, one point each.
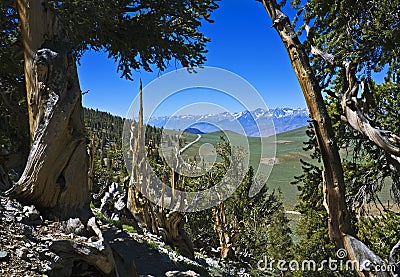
{"type": "Point", "coordinates": [158, 220]}
{"type": "Point", "coordinates": [140, 207]}
{"type": "Point", "coordinates": [347, 27]}
{"type": "Point", "coordinates": [53, 35]}
{"type": "Point", "coordinates": [55, 176]}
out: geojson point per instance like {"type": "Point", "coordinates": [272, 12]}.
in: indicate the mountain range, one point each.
{"type": "Point", "coordinates": [254, 123]}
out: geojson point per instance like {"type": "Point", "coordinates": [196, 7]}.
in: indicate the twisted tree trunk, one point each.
{"type": "Point", "coordinates": [333, 173]}
{"type": "Point", "coordinates": [139, 206]}
{"type": "Point", "coordinates": [359, 121]}
{"type": "Point", "coordinates": [227, 236]}
{"type": "Point", "coordinates": [171, 229]}
{"type": "Point", "coordinates": [168, 224]}
{"type": "Point", "coordinates": [340, 229]}
{"type": "Point", "coordinates": [4, 180]}
{"type": "Point", "coordinates": [55, 178]}
{"type": "Point", "coordinates": [171, 223]}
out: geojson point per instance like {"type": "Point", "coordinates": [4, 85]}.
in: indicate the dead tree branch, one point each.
{"type": "Point", "coordinates": [355, 109]}
{"type": "Point", "coordinates": [352, 108]}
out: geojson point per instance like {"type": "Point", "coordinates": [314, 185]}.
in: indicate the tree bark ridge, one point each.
{"type": "Point", "coordinates": [168, 224]}
{"type": "Point", "coordinates": [55, 177]}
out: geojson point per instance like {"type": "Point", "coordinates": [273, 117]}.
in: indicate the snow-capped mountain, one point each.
{"type": "Point", "coordinates": [250, 123]}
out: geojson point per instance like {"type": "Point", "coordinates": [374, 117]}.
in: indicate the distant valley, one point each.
{"type": "Point", "coordinates": [289, 151]}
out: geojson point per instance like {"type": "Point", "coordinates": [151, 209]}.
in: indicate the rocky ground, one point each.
{"type": "Point", "coordinates": [31, 246]}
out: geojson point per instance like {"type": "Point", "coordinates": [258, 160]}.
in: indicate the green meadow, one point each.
{"type": "Point", "coordinates": [285, 165]}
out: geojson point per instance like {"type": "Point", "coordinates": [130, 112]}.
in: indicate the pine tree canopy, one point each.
{"type": "Point", "coordinates": [136, 34]}
{"type": "Point", "coordinates": [367, 32]}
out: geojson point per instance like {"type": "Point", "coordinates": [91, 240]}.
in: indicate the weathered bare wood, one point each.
{"type": "Point", "coordinates": [356, 118]}
{"type": "Point", "coordinates": [355, 110]}
{"type": "Point", "coordinates": [168, 224]}
{"type": "Point", "coordinates": [94, 254]}
{"type": "Point", "coordinates": [340, 229]}
{"type": "Point", "coordinates": [140, 207]}
{"type": "Point", "coordinates": [4, 180]}
{"type": "Point", "coordinates": [110, 253]}
{"type": "Point", "coordinates": [393, 252]}
{"type": "Point", "coordinates": [55, 177]}
{"type": "Point", "coordinates": [91, 152]}
{"type": "Point", "coordinates": [171, 229]}
{"type": "Point", "coordinates": [227, 235]}
{"type": "Point", "coordinates": [367, 261]}
{"type": "Point", "coordinates": [333, 174]}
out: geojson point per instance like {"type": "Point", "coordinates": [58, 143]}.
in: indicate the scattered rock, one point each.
{"type": "Point", "coordinates": [31, 216]}
{"type": "Point", "coordinates": [22, 252]}
{"type": "Point", "coordinates": [36, 248]}
{"type": "Point", "coordinates": [13, 206]}
{"type": "Point", "coordinates": [33, 247]}
{"type": "Point", "coordinates": [113, 201]}
{"type": "Point", "coordinates": [3, 255]}
{"type": "Point", "coordinates": [27, 230]}
{"type": "Point", "coordinates": [74, 226]}
{"type": "Point", "coordinates": [181, 274]}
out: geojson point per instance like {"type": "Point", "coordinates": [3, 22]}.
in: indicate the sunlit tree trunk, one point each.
{"type": "Point", "coordinates": [333, 172]}
{"type": "Point", "coordinates": [139, 206]}
{"type": "Point", "coordinates": [226, 236]}
{"type": "Point", "coordinates": [171, 225]}
{"type": "Point", "coordinates": [171, 222]}
{"type": "Point", "coordinates": [168, 224]}
{"type": "Point", "coordinates": [340, 229]}
{"type": "Point", "coordinates": [55, 178]}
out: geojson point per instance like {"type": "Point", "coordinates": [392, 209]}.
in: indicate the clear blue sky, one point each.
{"type": "Point", "coordinates": [241, 41]}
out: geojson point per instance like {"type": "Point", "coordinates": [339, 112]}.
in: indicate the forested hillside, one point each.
{"type": "Point", "coordinates": [104, 133]}
{"type": "Point", "coordinates": [235, 230]}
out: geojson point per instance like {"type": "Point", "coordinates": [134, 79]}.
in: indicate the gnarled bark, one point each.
{"type": "Point", "coordinates": [368, 263]}
{"type": "Point", "coordinates": [4, 180]}
{"type": "Point", "coordinates": [70, 252]}
{"type": "Point", "coordinates": [55, 177]}
{"type": "Point", "coordinates": [171, 230]}
{"type": "Point", "coordinates": [340, 229]}
{"type": "Point", "coordinates": [157, 221]}
{"type": "Point", "coordinates": [355, 110]}
{"type": "Point", "coordinates": [111, 254]}
{"type": "Point", "coordinates": [227, 236]}
{"type": "Point", "coordinates": [140, 207]}
{"type": "Point", "coordinates": [357, 119]}
{"type": "Point", "coordinates": [392, 261]}
{"type": "Point", "coordinates": [333, 174]}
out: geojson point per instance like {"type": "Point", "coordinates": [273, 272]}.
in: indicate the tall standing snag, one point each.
{"type": "Point", "coordinates": [139, 206]}
{"type": "Point", "coordinates": [168, 224]}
